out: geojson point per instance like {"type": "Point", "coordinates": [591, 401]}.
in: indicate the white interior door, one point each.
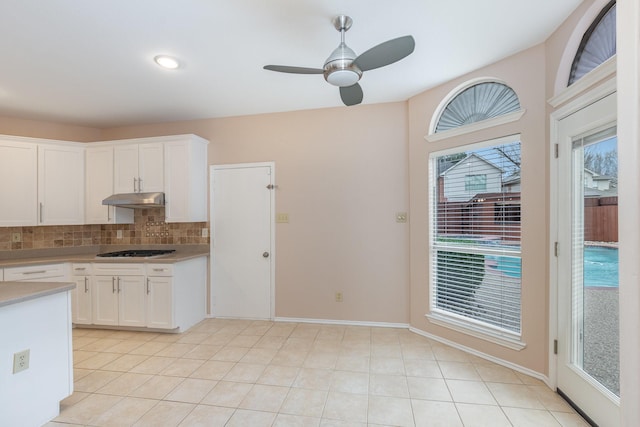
{"type": "Point", "coordinates": [242, 243]}
{"type": "Point", "coordinates": [588, 335]}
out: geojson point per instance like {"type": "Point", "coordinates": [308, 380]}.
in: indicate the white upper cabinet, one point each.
{"type": "Point", "coordinates": [99, 186]}
{"type": "Point", "coordinates": [138, 168]}
{"type": "Point", "coordinates": [185, 179]}
{"type": "Point", "coordinates": [46, 182]}
{"type": "Point", "coordinates": [60, 184]}
{"type": "Point", "coordinates": [18, 183]}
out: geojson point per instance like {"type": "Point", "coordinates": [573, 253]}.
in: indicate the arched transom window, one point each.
{"type": "Point", "coordinates": [598, 44]}
{"type": "Point", "coordinates": [478, 102]}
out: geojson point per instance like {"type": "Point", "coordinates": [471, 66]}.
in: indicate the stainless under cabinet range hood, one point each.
{"type": "Point", "coordinates": [135, 200]}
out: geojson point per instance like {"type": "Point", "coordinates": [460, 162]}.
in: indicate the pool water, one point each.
{"type": "Point", "coordinates": [600, 266]}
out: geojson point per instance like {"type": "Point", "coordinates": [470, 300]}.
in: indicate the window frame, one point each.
{"type": "Point", "coordinates": [472, 127]}
{"type": "Point", "coordinates": [438, 316]}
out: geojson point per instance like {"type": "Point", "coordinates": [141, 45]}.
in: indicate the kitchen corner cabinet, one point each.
{"type": "Point", "coordinates": [81, 313]}
{"type": "Point", "coordinates": [60, 184]}
{"type": "Point", "coordinates": [99, 186]}
{"type": "Point", "coordinates": [18, 183]}
{"type": "Point", "coordinates": [185, 179]}
{"type": "Point", "coordinates": [138, 168]}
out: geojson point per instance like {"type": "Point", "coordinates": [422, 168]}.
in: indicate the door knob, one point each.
{"type": "Point", "coordinates": [265, 254]}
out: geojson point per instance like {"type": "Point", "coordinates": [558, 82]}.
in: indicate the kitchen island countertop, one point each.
{"type": "Point", "coordinates": [15, 292]}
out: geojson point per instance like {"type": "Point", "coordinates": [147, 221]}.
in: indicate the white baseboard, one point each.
{"type": "Point", "coordinates": [485, 356]}
{"type": "Point", "coordinates": [343, 322]}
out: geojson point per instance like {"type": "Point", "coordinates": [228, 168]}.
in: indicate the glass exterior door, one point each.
{"type": "Point", "coordinates": [588, 334]}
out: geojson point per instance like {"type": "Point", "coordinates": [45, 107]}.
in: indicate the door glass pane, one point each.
{"type": "Point", "coordinates": [595, 344]}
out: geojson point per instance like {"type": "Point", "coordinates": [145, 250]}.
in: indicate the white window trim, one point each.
{"type": "Point", "coordinates": [600, 73]}
{"type": "Point", "coordinates": [476, 330]}
{"type": "Point", "coordinates": [477, 126]}
{"type": "Point", "coordinates": [452, 321]}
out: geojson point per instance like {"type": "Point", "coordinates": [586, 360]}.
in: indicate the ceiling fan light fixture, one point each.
{"type": "Point", "coordinates": [167, 62]}
{"type": "Point", "coordinates": [343, 78]}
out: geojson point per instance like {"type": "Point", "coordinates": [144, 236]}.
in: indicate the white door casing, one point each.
{"type": "Point", "coordinates": [242, 242]}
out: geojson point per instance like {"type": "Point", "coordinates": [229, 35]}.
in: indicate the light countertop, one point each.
{"type": "Point", "coordinates": [22, 258]}
{"type": "Point", "coordinates": [16, 292]}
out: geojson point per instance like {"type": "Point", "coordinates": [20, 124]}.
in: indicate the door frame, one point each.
{"type": "Point", "coordinates": [272, 236]}
{"type": "Point", "coordinates": [588, 98]}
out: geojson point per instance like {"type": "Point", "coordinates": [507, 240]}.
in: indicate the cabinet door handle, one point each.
{"type": "Point", "coordinates": [35, 272]}
{"type": "Point", "coordinates": [159, 269]}
{"type": "Point", "coordinates": [118, 284]}
{"type": "Point", "coordinates": [108, 214]}
{"type": "Point", "coordinates": [140, 185]}
{"type": "Point", "coordinates": [113, 285]}
{"type": "Point", "coordinates": [80, 268]}
{"type": "Point", "coordinates": [41, 209]}
{"type": "Point", "coordinates": [86, 287]}
{"type": "Point", "coordinates": [135, 190]}
{"type": "Point", "coordinates": [148, 290]}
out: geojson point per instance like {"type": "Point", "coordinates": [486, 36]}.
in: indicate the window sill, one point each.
{"type": "Point", "coordinates": [502, 338]}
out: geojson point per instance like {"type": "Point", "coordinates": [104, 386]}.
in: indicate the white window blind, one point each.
{"type": "Point", "coordinates": [475, 235]}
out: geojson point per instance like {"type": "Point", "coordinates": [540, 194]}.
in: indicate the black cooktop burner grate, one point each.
{"type": "Point", "coordinates": [137, 253]}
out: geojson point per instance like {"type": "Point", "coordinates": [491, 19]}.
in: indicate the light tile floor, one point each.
{"type": "Point", "coordinates": [257, 373]}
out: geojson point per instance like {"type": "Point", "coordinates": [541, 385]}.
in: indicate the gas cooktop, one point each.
{"type": "Point", "coordinates": [137, 253]}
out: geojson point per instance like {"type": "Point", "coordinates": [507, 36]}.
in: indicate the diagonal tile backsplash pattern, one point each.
{"type": "Point", "coordinates": [149, 228]}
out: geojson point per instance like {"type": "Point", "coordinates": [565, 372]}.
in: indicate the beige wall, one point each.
{"type": "Point", "coordinates": [341, 176]}
{"type": "Point", "coordinates": [524, 73]}
{"type": "Point", "coordinates": [37, 129]}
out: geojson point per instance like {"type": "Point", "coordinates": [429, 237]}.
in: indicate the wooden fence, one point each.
{"type": "Point", "coordinates": [601, 219]}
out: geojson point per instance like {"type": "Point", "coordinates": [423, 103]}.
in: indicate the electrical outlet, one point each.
{"type": "Point", "coordinates": [205, 232]}
{"type": "Point", "coordinates": [338, 296]}
{"type": "Point", "coordinates": [21, 361]}
{"type": "Point", "coordinates": [119, 234]}
{"type": "Point", "coordinates": [16, 237]}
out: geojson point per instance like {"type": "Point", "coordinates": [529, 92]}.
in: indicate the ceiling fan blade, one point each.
{"type": "Point", "coordinates": [351, 95]}
{"type": "Point", "coordinates": [386, 53]}
{"type": "Point", "coordinates": [293, 70]}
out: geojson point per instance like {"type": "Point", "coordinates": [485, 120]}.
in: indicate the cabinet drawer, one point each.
{"type": "Point", "coordinates": [160, 270]}
{"type": "Point", "coordinates": [35, 272]}
{"type": "Point", "coordinates": [81, 269]}
{"type": "Point", "coordinates": [120, 269]}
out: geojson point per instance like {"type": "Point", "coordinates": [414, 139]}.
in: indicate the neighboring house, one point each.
{"type": "Point", "coordinates": [593, 180]}
{"type": "Point", "coordinates": [460, 184]}
{"type": "Point", "coordinates": [511, 184]}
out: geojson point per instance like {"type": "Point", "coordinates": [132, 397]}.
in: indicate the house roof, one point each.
{"type": "Point", "coordinates": [465, 160]}
{"type": "Point", "coordinates": [91, 62]}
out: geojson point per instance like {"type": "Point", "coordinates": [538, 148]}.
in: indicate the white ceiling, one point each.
{"type": "Point", "coordinates": [90, 62]}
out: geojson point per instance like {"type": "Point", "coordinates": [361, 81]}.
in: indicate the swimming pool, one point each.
{"type": "Point", "coordinates": [600, 266]}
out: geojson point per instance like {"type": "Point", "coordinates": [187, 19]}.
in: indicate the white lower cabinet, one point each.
{"type": "Point", "coordinates": [158, 296]}
{"type": "Point", "coordinates": [36, 273]}
{"type": "Point", "coordinates": [119, 297]}
{"type": "Point", "coordinates": [81, 310]}
{"type": "Point", "coordinates": [160, 302]}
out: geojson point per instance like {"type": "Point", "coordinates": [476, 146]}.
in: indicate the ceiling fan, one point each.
{"type": "Point", "coordinates": [343, 68]}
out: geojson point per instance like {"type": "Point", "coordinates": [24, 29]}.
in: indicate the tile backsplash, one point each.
{"type": "Point", "coordinates": [148, 228]}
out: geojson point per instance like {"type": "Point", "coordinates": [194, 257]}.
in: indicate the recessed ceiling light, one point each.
{"type": "Point", "coordinates": [167, 62]}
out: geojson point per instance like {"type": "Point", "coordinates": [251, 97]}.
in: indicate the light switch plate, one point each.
{"type": "Point", "coordinates": [282, 218]}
